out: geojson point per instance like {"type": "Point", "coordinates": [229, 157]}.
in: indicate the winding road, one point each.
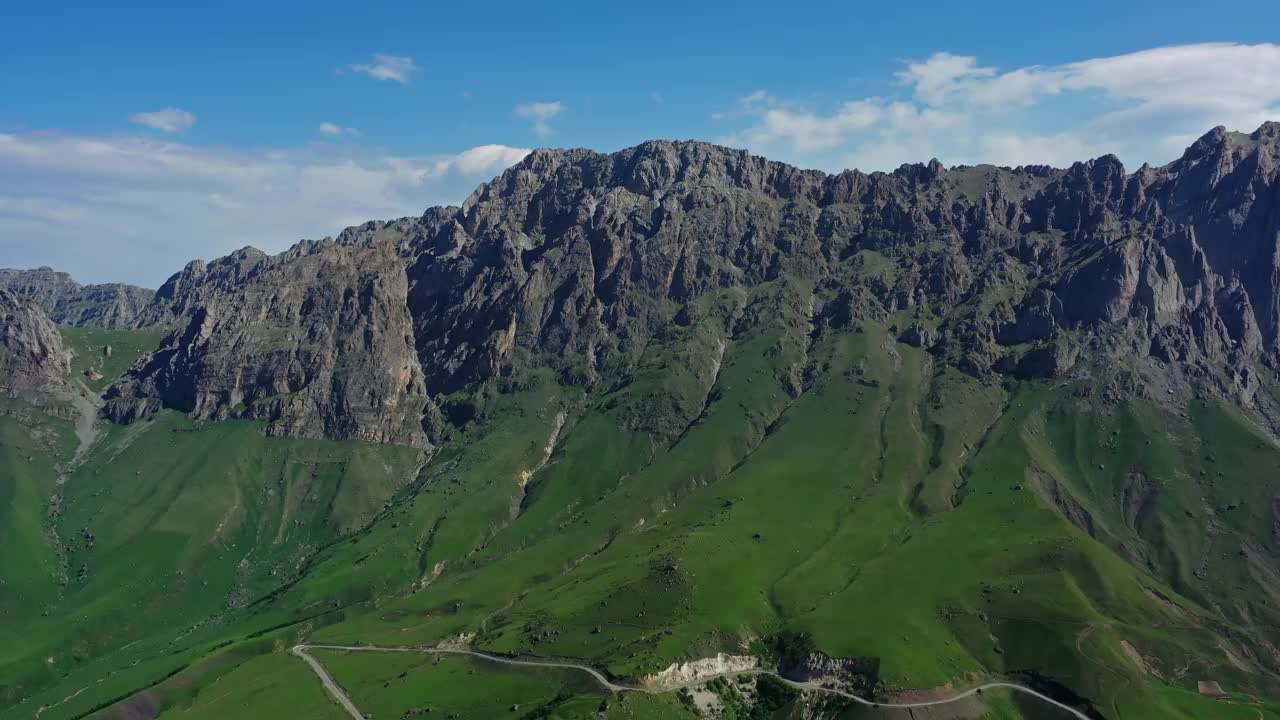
{"type": "Point", "coordinates": [341, 696]}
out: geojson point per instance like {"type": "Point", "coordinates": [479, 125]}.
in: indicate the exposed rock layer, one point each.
{"type": "Point", "coordinates": [575, 259]}
{"type": "Point", "coordinates": [317, 341]}
{"type": "Point", "coordinates": [33, 362]}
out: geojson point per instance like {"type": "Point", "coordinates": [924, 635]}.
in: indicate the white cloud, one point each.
{"type": "Point", "coordinates": [752, 102]}
{"type": "Point", "coordinates": [540, 113]}
{"type": "Point", "coordinates": [169, 120]}
{"type": "Point", "coordinates": [136, 209]}
{"type": "Point", "coordinates": [1215, 74]}
{"type": "Point", "coordinates": [1142, 106]}
{"type": "Point", "coordinates": [808, 132]}
{"type": "Point", "coordinates": [39, 209]}
{"type": "Point", "coordinates": [220, 201]}
{"type": "Point", "coordinates": [482, 160]}
{"type": "Point", "coordinates": [387, 67]}
{"type": "Point", "coordinates": [335, 130]}
{"type": "Point", "coordinates": [1060, 149]}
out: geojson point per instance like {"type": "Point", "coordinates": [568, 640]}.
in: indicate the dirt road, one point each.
{"type": "Point", "coordinates": [345, 702]}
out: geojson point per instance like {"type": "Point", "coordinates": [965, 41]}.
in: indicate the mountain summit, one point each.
{"type": "Point", "coordinates": [571, 257]}
{"type": "Point", "coordinates": [67, 302]}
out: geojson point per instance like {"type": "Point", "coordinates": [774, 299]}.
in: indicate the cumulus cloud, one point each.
{"type": "Point", "coordinates": [1060, 149]}
{"type": "Point", "coordinates": [136, 209]}
{"type": "Point", "coordinates": [387, 67]}
{"type": "Point", "coordinates": [807, 132]}
{"type": "Point", "coordinates": [335, 130]}
{"type": "Point", "coordinates": [540, 113]}
{"type": "Point", "coordinates": [170, 119]}
{"type": "Point", "coordinates": [481, 160]}
{"type": "Point", "coordinates": [1142, 106]}
{"type": "Point", "coordinates": [1210, 74]}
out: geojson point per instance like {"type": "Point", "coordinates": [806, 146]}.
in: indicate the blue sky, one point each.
{"type": "Point", "coordinates": [135, 139]}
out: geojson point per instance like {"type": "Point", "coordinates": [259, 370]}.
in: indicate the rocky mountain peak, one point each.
{"type": "Point", "coordinates": [653, 167]}
{"type": "Point", "coordinates": [67, 302]}
{"type": "Point", "coordinates": [1222, 142]}
{"type": "Point", "coordinates": [572, 258]}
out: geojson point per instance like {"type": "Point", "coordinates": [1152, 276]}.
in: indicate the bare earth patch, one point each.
{"type": "Point", "coordinates": [1063, 502]}
{"type": "Point", "coordinates": [678, 674]}
{"type": "Point", "coordinates": [1238, 662]}
{"type": "Point", "coordinates": [1211, 688]}
{"type": "Point", "coordinates": [461, 641]}
{"type": "Point", "coordinates": [1137, 659]}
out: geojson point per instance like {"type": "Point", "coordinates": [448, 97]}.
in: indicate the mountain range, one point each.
{"type": "Point", "coordinates": [934, 426]}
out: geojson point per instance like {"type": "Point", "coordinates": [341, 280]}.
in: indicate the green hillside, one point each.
{"type": "Point", "coordinates": [741, 485]}
{"type": "Point", "coordinates": [100, 355]}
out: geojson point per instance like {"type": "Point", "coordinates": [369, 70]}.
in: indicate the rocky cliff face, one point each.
{"type": "Point", "coordinates": [575, 259]}
{"type": "Point", "coordinates": [33, 362]}
{"type": "Point", "coordinates": [574, 253]}
{"type": "Point", "coordinates": [67, 302]}
{"type": "Point", "coordinates": [317, 341]}
{"type": "Point", "coordinates": [569, 249]}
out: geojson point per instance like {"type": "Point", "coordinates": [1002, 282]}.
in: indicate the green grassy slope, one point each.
{"type": "Point", "coordinates": [169, 530]}
{"type": "Point", "coordinates": [460, 687]}
{"type": "Point", "coordinates": [90, 363]}
{"type": "Point", "coordinates": [31, 568]}
{"type": "Point", "coordinates": [887, 510]}
{"type": "Point", "coordinates": [274, 685]}
{"type": "Point", "coordinates": [755, 475]}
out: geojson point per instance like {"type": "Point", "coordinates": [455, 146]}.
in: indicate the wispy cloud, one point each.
{"type": "Point", "coordinates": [1142, 106]}
{"type": "Point", "coordinates": [752, 102]}
{"type": "Point", "coordinates": [106, 208]}
{"type": "Point", "coordinates": [335, 130]}
{"type": "Point", "coordinates": [170, 119]}
{"type": "Point", "coordinates": [387, 67]}
{"type": "Point", "coordinates": [540, 113]}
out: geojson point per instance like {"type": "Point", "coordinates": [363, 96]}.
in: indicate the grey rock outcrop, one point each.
{"type": "Point", "coordinates": [66, 302]}
{"type": "Point", "coordinates": [576, 259]}
{"type": "Point", "coordinates": [317, 341]}
{"type": "Point", "coordinates": [33, 361]}
{"type": "Point", "coordinates": [852, 674]}
{"type": "Point", "coordinates": [919, 335]}
{"type": "Point", "coordinates": [1187, 255]}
